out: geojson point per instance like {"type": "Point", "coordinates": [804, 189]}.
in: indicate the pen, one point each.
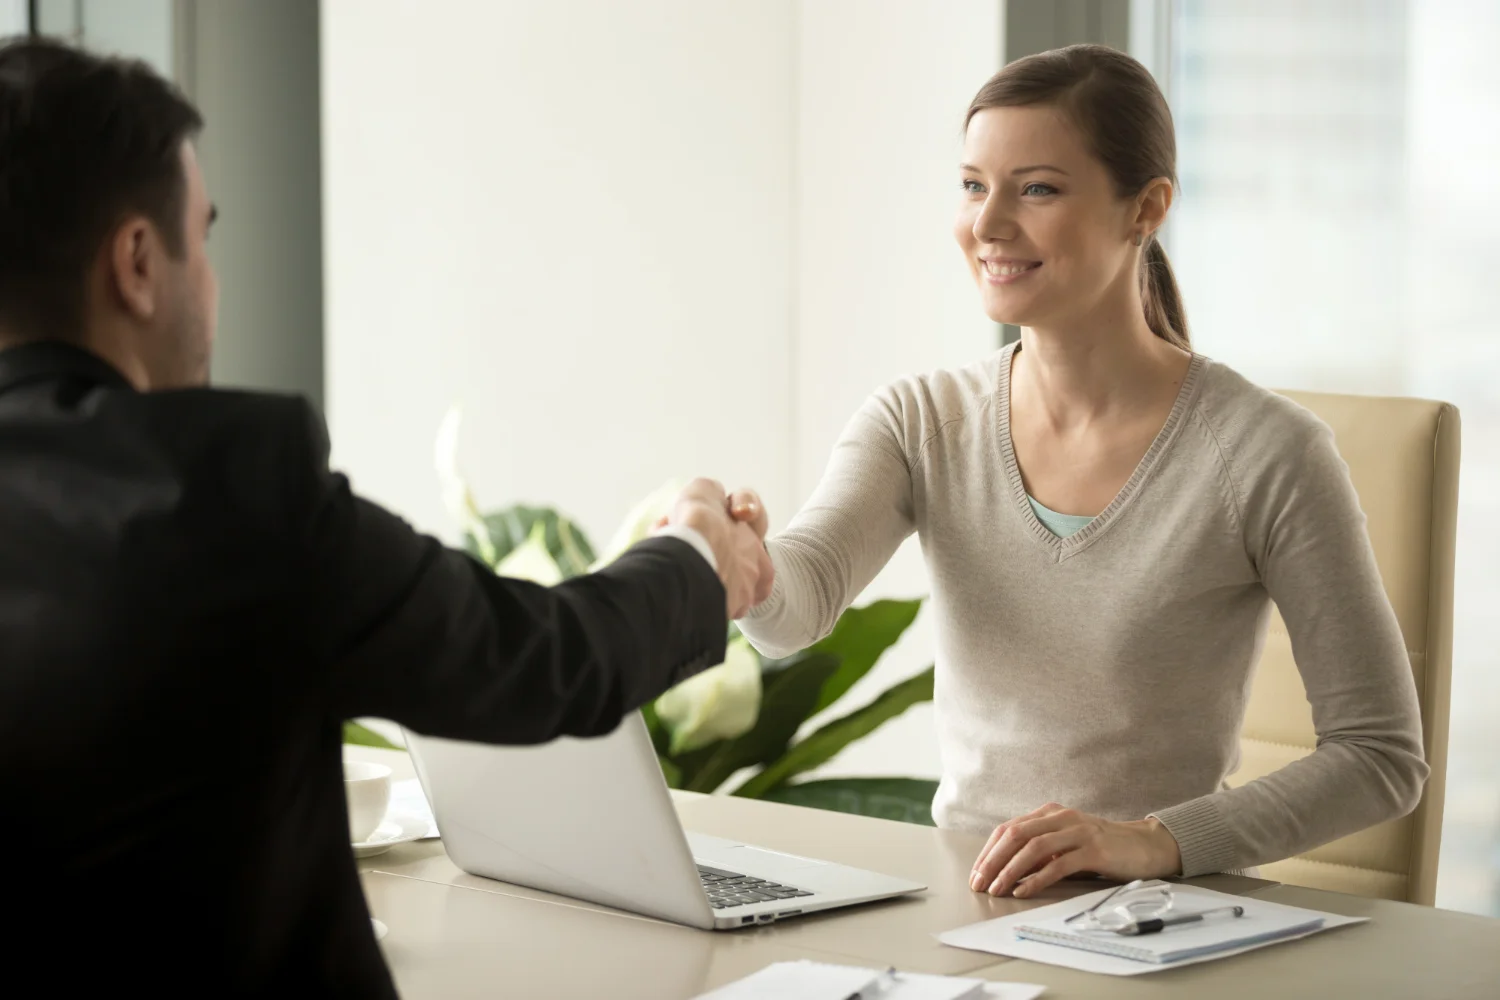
{"type": "Point", "coordinates": [885, 982]}
{"type": "Point", "coordinates": [1156, 924]}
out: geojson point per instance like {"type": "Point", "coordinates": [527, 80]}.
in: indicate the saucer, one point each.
{"type": "Point", "coordinates": [397, 828]}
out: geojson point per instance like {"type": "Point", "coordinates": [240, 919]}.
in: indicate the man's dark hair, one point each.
{"type": "Point", "coordinates": [85, 142]}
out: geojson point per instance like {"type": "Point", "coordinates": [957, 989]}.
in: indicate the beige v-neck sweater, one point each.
{"type": "Point", "coordinates": [1108, 670]}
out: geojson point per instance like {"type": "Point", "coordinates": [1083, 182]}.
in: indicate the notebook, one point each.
{"type": "Point", "coordinates": [1259, 925]}
{"type": "Point", "coordinates": [1264, 925]}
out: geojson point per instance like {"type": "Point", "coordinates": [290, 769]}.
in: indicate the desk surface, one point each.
{"type": "Point", "coordinates": [455, 935]}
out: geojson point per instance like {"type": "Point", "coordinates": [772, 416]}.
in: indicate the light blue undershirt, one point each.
{"type": "Point", "coordinates": [1061, 525]}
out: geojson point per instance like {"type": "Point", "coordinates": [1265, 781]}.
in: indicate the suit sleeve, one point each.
{"type": "Point", "coordinates": [430, 638]}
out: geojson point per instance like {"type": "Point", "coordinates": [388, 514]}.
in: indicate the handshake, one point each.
{"type": "Point", "coordinates": [734, 525]}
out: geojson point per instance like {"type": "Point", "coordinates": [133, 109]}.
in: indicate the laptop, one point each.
{"type": "Point", "coordinates": [592, 819]}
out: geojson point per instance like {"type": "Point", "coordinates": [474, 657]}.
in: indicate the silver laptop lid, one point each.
{"type": "Point", "coordinates": [591, 819]}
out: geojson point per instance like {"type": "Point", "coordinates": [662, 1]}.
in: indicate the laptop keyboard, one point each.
{"type": "Point", "coordinates": [730, 889]}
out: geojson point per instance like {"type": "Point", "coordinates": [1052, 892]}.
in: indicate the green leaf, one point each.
{"type": "Point", "coordinates": [907, 800]}
{"type": "Point", "coordinates": [574, 554]}
{"type": "Point", "coordinates": [791, 690]}
{"type": "Point", "coordinates": [670, 771]}
{"type": "Point", "coordinates": [858, 640]}
{"type": "Point", "coordinates": [658, 730]}
{"type": "Point", "coordinates": [821, 746]}
{"type": "Point", "coordinates": [361, 737]}
{"type": "Point", "coordinates": [566, 542]}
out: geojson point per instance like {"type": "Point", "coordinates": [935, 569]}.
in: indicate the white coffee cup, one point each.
{"type": "Point", "coordinates": [367, 789]}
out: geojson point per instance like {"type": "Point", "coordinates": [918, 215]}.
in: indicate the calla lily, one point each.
{"type": "Point", "coordinates": [640, 522]}
{"type": "Point", "coordinates": [531, 561]}
{"type": "Point", "coordinates": [456, 494]}
{"type": "Point", "coordinates": [721, 703]}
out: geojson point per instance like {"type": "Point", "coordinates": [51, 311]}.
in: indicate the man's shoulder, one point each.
{"type": "Point", "coordinates": [247, 409]}
{"type": "Point", "coordinates": [257, 455]}
{"type": "Point", "coordinates": [233, 422]}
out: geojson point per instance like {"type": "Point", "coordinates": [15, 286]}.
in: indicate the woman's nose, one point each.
{"type": "Point", "coordinates": [994, 222]}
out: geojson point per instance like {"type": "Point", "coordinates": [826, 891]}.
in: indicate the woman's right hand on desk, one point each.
{"type": "Point", "coordinates": [1054, 842]}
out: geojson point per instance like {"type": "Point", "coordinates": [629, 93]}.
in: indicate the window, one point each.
{"type": "Point", "coordinates": [1339, 229]}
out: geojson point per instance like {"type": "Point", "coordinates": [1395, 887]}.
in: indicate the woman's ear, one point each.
{"type": "Point", "coordinates": [1152, 205]}
{"type": "Point", "coordinates": [134, 267]}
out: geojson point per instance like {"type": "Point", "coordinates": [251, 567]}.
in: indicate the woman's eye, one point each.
{"type": "Point", "coordinates": [973, 187]}
{"type": "Point", "coordinates": [1036, 190]}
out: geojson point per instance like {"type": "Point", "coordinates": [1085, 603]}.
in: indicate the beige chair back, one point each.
{"type": "Point", "coordinates": [1403, 456]}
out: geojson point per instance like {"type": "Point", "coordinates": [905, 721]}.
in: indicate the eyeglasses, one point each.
{"type": "Point", "coordinates": [1126, 906]}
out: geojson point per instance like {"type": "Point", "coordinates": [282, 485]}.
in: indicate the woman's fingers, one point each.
{"type": "Point", "coordinates": [999, 854]}
{"type": "Point", "coordinates": [974, 882]}
{"type": "Point", "coordinates": [1061, 867]}
{"type": "Point", "coordinates": [1035, 854]}
{"type": "Point", "coordinates": [745, 505]}
{"type": "Point", "coordinates": [1018, 833]}
{"type": "Point", "coordinates": [1000, 849]}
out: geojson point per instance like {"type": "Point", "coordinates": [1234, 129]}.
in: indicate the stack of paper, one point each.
{"type": "Point", "coordinates": [816, 981]}
{"type": "Point", "coordinates": [1043, 934]}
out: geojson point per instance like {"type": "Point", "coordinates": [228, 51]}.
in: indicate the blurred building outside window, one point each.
{"type": "Point", "coordinates": [1338, 229]}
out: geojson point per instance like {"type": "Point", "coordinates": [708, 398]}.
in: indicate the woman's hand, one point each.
{"type": "Point", "coordinates": [744, 507]}
{"type": "Point", "coordinates": [1052, 843]}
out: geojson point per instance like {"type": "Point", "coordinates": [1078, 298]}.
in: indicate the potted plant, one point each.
{"type": "Point", "coordinates": [736, 724]}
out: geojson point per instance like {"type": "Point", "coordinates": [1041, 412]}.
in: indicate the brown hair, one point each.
{"type": "Point", "coordinates": [84, 142]}
{"type": "Point", "coordinates": [1123, 116]}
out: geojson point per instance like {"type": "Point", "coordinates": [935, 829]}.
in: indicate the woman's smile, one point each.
{"type": "Point", "coordinates": [1006, 270]}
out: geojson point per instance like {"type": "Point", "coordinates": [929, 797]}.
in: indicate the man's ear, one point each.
{"type": "Point", "coordinates": [134, 257]}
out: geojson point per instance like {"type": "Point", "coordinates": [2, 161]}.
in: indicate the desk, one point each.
{"type": "Point", "coordinates": [456, 935]}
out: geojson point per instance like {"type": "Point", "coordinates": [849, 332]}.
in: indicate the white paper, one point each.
{"type": "Point", "coordinates": [1013, 991]}
{"type": "Point", "coordinates": [797, 981]}
{"type": "Point", "coordinates": [807, 980]}
{"type": "Point", "coordinates": [998, 936]}
{"type": "Point", "coordinates": [408, 800]}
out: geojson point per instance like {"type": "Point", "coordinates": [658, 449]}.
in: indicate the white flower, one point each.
{"type": "Point", "coordinates": [640, 522]}
{"type": "Point", "coordinates": [531, 561]}
{"type": "Point", "coordinates": [456, 495]}
{"type": "Point", "coordinates": [719, 704]}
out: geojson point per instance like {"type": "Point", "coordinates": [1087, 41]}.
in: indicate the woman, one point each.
{"type": "Point", "coordinates": [1106, 519]}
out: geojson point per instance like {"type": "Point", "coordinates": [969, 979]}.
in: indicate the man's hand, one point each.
{"type": "Point", "coordinates": [1052, 843]}
{"type": "Point", "coordinates": [744, 565]}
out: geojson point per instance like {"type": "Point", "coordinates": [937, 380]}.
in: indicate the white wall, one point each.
{"type": "Point", "coordinates": [642, 241]}
{"type": "Point", "coordinates": [882, 288]}
{"type": "Point", "coordinates": [575, 217]}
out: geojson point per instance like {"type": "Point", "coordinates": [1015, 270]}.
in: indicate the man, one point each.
{"type": "Point", "coordinates": [191, 602]}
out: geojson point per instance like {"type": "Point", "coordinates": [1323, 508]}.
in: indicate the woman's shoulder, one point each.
{"type": "Point", "coordinates": [1250, 420]}
{"type": "Point", "coordinates": [946, 394]}
{"type": "Point", "coordinates": [917, 410]}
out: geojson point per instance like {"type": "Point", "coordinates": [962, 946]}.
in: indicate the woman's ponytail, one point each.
{"type": "Point", "coordinates": [1164, 312]}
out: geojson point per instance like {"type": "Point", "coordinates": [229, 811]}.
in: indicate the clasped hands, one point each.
{"type": "Point", "coordinates": [734, 525]}
{"type": "Point", "coordinates": [1029, 853]}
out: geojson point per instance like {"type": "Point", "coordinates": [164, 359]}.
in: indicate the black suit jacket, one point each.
{"type": "Point", "coordinates": [191, 603]}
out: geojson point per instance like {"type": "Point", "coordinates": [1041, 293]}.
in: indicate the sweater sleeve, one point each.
{"type": "Point", "coordinates": [1306, 533]}
{"type": "Point", "coordinates": [856, 518]}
